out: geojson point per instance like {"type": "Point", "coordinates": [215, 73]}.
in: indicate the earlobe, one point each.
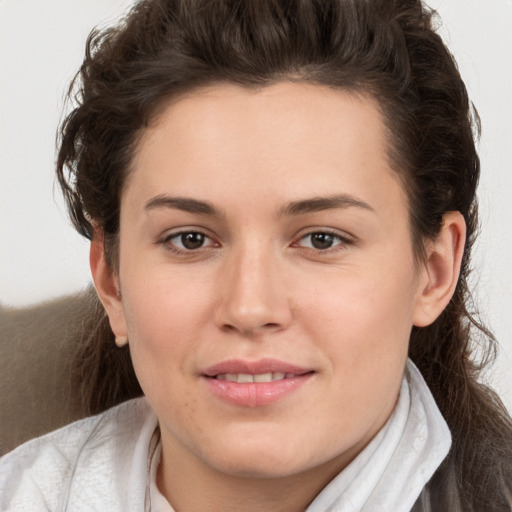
{"type": "Point", "coordinates": [441, 269]}
{"type": "Point", "coordinates": [107, 287]}
{"type": "Point", "coordinates": [121, 341]}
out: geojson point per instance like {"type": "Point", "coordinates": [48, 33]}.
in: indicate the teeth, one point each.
{"type": "Point", "coordinates": [261, 377]}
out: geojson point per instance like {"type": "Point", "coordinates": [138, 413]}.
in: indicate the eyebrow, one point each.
{"type": "Point", "coordinates": [315, 204]}
{"type": "Point", "coordinates": [318, 204]}
{"type": "Point", "coordinates": [185, 204]}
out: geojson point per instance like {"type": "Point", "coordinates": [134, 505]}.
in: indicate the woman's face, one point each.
{"type": "Point", "coordinates": [267, 277]}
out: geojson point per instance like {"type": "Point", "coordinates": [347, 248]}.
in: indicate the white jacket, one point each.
{"type": "Point", "coordinates": [107, 463]}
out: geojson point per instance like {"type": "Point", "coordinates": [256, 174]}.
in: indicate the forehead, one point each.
{"type": "Point", "coordinates": [277, 134]}
{"type": "Point", "coordinates": [209, 111]}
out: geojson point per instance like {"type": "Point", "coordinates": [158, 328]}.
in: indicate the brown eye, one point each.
{"type": "Point", "coordinates": [322, 241]}
{"type": "Point", "coordinates": [192, 240]}
{"type": "Point", "coordinates": [188, 241]}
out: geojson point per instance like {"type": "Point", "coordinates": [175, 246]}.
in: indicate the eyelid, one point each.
{"type": "Point", "coordinates": [165, 240]}
{"type": "Point", "coordinates": [343, 239]}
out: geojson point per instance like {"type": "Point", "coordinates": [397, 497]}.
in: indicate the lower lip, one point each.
{"type": "Point", "coordinates": [255, 394]}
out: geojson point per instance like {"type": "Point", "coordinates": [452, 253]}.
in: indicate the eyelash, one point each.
{"type": "Point", "coordinates": [340, 242]}
{"type": "Point", "coordinates": [169, 245]}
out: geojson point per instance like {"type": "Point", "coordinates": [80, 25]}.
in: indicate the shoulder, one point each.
{"type": "Point", "coordinates": [47, 470]}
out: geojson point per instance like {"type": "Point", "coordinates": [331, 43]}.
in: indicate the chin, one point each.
{"type": "Point", "coordinates": [261, 467]}
{"type": "Point", "coordinates": [261, 458]}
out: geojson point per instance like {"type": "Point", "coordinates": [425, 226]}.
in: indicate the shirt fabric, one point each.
{"type": "Point", "coordinates": [108, 463]}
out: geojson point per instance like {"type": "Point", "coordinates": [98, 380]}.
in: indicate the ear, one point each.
{"type": "Point", "coordinates": [440, 272]}
{"type": "Point", "coordinates": [107, 286]}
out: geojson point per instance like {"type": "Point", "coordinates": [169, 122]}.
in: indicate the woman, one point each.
{"type": "Point", "coordinates": [280, 199]}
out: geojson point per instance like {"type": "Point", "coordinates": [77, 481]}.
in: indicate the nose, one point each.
{"type": "Point", "coordinates": [253, 299]}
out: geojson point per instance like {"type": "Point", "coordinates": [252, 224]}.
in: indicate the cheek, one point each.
{"type": "Point", "coordinates": [364, 301]}
{"type": "Point", "coordinates": [364, 322]}
{"type": "Point", "coordinates": [364, 330]}
{"type": "Point", "coordinates": [164, 300]}
{"type": "Point", "coordinates": [164, 317]}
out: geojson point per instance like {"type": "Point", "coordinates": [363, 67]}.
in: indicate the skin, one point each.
{"type": "Point", "coordinates": [258, 287]}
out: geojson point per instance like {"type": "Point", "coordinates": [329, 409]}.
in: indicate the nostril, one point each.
{"type": "Point", "coordinates": [251, 308]}
{"type": "Point", "coordinates": [251, 331]}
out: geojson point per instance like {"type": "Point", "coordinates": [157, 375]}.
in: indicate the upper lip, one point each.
{"type": "Point", "coordinates": [254, 367]}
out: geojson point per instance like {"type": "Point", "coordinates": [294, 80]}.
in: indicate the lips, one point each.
{"type": "Point", "coordinates": [259, 377]}
{"type": "Point", "coordinates": [255, 383]}
{"type": "Point", "coordinates": [261, 367]}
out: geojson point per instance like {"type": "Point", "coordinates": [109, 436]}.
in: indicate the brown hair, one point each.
{"type": "Point", "coordinates": [387, 49]}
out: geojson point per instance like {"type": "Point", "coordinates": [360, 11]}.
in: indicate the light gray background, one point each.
{"type": "Point", "coordinates": [41, 46]}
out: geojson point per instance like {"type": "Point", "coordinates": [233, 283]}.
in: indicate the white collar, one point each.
{"type": "Point", "coordinates": [390, 473]}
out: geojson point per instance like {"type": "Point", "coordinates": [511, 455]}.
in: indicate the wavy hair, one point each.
{"type": "Point", "coordinates": [387, 49]}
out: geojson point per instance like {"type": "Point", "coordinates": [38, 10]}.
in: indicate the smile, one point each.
{"type": "Point", "coordinates": [255, 383]}
{"type": "Point", "coordinates": [260, 377]}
